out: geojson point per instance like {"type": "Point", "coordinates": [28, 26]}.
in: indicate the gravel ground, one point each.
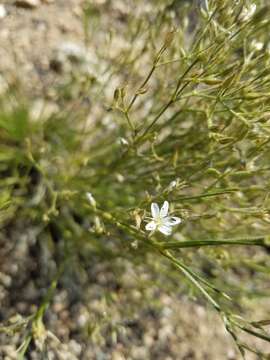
{"type": "Point", "coordinates": [108, 314]}
{"type": "Point", "coordinates": [134, 325]}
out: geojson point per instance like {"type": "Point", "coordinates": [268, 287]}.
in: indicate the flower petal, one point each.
{"type": "Point", "coordinates": [151, 226]}
{"type": "Point", "coordinates": [171, 221]}
{"type": "Point", "coordinates": [164, 210]}
{"type": "Point", "coordinates": [166, 230]}
{"type": "Point", "coordinates": [155, 210]}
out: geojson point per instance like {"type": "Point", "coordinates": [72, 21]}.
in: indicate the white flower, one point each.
{"type": "Point", "coordinates": [160, 219]}
{"type": "Point", "coordinates": [91, 199]}
{"type": "Point", "coordinates": [257, 45]}
{"type": "Point", "coordinates": [123, 141]}
{"type": "Point", "coordinates": [247, 12]}
{"type": "Point", "coordinates": [173, 184]}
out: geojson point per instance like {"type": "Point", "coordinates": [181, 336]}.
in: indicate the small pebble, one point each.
{"type": "Point", "coordinates": [3, 11]}
{"type": "Point", "coordinates": [27, 4]}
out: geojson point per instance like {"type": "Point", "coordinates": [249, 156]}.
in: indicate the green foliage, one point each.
{"type": "Point", "coordinates": [15, 123]}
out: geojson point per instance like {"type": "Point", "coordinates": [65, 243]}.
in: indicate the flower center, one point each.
{"type": "Point", "coordinates": [159, 221]}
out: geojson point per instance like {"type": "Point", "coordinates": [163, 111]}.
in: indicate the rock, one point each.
{"type": "Point", "coordinates": [66, 55]}
{"type": "Point", "coordinates": [42, 109]}
{"type": "Point", "coordinates": [3, 11]}
{"type": "Point", "coordinates": [27, 4]}
{"type": "Point", "coordinates": [72, 51]}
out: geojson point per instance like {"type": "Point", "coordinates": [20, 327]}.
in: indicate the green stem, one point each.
{"type": "Point", "coordinates": [257, 241]}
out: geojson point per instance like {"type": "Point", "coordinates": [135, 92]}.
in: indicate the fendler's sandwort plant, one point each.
{"type": "Point", "coordinates": [171, 108]}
